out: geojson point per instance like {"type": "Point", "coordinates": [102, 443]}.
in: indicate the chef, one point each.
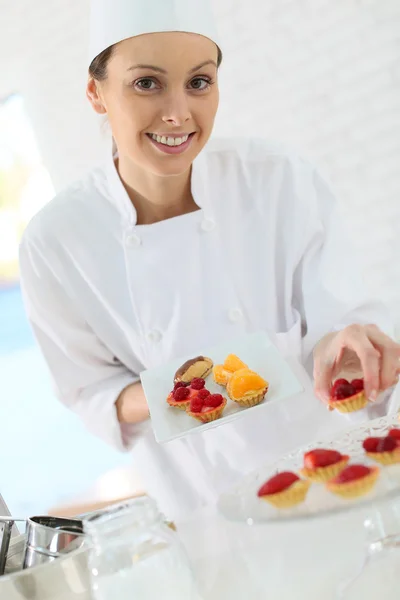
{"type": "Point", "coordinates": [177, 243]}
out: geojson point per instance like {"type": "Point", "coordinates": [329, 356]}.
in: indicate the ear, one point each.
{"type": "Point", "coordinates": [94, 96]}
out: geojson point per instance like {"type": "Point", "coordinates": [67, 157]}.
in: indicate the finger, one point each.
{"type": "Point", "coordinates": [390, 353]}
{"type": "Point", "coordinates": [389, 368]}
{"type": "Point", "coordinates": [355, 338]}
{"type": "Point", "coordinates": [376, 335]}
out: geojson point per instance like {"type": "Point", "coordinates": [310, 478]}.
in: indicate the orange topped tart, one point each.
{"type": "Point", "coordinates": [222, 373]}
{"type": "Point", "coordinates": [384, 450]}
{"type": "Point", "coordinates": [348, 396]}
{"type": "Point", "coordinates": [284, 490]}
{"type": "Point", "coordinates": [206, 407]}
{"type": "Point", "coordinates": [321, 465]}
{"type": "Point", "coordinates": [354, 481]}
{"type": "Point", "coordinates": [183, 393]}
{"type": "Point", "coordinates": [246, 387]}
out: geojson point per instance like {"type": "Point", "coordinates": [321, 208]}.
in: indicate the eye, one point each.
{"type": "Point", "coordinates": [145, 84]}
{"type": "Point", "coordinates": [201, 83]}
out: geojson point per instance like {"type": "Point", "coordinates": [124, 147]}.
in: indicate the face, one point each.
{"type": "Point", "coordinates": [161, 98]}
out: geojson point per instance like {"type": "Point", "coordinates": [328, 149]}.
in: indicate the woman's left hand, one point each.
{"type": "Point", "coordinates": [356, 351]}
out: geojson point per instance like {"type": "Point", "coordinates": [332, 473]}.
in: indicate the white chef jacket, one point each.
{"type": "Point", "coordinates": [108, 298]}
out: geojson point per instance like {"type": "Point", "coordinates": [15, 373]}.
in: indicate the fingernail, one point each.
{"type": "Point", "coordinates": [373, 395]}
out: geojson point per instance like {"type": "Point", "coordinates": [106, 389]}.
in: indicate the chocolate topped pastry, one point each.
{"type": "Point", "coordinates": [200, 366]}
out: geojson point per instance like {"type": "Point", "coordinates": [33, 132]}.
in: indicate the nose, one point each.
{"type": "Point", "coordinates": [176, 110]}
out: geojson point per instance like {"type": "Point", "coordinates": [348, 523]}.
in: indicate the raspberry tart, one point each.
{"type": "Point", "coordinates": [384, 450]}
{"type": "Point", "coordinates": [284, 490]}
{"type": "Point", "coordinates": [206, 407]}
{"type": "Point", "coordinates": [348, 396]}
{"type": "Point", "coordinates": [246, 388]}
{"type": "Point", "coordinates": [198, 367]}
{"type": "Point", "coordinates": [395, 433]}
{"type": "Point", "coordinates": [354, 481]}
{"type": "Point", "coordinates": [321, 465]}
{"type": "Point", "coordinates": [222, 373]}
{"type": "Point", "coordinates": [183, 393]}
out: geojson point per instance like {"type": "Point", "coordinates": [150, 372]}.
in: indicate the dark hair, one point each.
{"type": "Point", "coordinates": [98, 66]}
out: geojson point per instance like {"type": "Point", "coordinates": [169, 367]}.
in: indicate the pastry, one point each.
{"type": "Point", "coordinates": [206, 407]}
{"type": "Point", "coordinates": [222, 373]}
{"type": "Point", "coordinates": [321, 465]}
{"type": "Point", "coordinates": [246, 387]}
{"type": "Point", "coordinates": [354, 481]}
{"type": "Point", "coordinates": [199, 367]}
{"type": "Point", "coordinates": [183, 393]}
{"type": "Point", "coordinates": [395, 433]}
{"type": "Point", "coordinates": [384, 450]}
{"type": "Point", "coordinates": [348, 396]}
{"type": "Point", "coordinates": [284, 490]}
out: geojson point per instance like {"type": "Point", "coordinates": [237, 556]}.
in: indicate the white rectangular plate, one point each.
{"type": "Point", "coordinates": [256, 350]}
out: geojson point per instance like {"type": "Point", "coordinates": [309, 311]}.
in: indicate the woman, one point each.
{"type": "Point", "coordinates": [177, 244]}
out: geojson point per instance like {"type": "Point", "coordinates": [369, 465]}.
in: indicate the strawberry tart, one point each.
{"type": "Point", "coordinates": [284, 490]}
{"type": "Point", "coordinates": [384, 450]}
{"type": "Point", "coordinates": [348, 396]}
{"type": "Point", "coordinates": [354, 481]}
{"type": "Point", "coordinates": [320, 465]}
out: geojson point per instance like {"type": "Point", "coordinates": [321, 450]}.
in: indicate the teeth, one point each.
{"type": "Point", "coordinates": [170, 141]}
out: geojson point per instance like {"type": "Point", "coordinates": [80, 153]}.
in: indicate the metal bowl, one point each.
{"type": "Point", "coordinates": [48, 538]}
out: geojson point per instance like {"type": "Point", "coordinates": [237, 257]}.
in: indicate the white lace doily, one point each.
{"type": "Point", "coordinates": [242, 503]}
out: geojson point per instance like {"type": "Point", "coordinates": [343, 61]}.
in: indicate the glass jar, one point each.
{"type": "Point", "coordinates": [135, 555]}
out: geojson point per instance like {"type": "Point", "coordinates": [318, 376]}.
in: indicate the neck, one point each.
{"type": "Point", "coordinates": [154, 197]}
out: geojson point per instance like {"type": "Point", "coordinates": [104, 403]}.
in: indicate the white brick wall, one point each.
{"type": "Point", "coordinates": [320, 74]}
{"type": "Point", "coordinates": [325, 77]}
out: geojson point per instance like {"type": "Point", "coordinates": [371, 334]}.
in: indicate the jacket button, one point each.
{"type": "Point", "coordinates": [207, 225]}
{"type": "Point", "coordinates": [154, 336]}
{"type": "Point", "coordinates": [235, 315]}
{"type": "Point", "coordinates": [133, 240]}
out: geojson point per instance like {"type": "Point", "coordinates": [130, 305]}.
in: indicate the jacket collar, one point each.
{"type": "Point", "coordinates": [120, 197]}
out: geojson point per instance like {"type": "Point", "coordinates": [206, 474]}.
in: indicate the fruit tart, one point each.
{"type": "Point", "coordinates": [198, 367]}
{"type": "Point", "coordinates": [354, 481]}
{"type": "Point", "coordinates": [284, 490]}
{"type": "Point", "coordinates": [183, 393]}
{"type": "Point", "coordinates": [246, 388]}
{"type": "Point", "coordinates": [206, 407]}
{"type": "Point", "coordinates": [395, 433]}
{"type": "Point", "coordinates": [384, 450]}
{"type": "Point", "coordinates": [321, 465]}
{"type": "Point", "coordinates": [348, 396]}
{"type": "Point", "coordinates": [222, 373]}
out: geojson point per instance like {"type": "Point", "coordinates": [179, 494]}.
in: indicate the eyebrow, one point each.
{"type": "Point", "coordinates": [160, 70]}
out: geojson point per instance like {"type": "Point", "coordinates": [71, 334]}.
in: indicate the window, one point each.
{"type": "Point", "coordinates": [25, 184]}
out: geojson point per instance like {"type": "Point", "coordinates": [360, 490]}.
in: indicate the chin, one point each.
{"type": "Point", "coordinates": [170, 168]}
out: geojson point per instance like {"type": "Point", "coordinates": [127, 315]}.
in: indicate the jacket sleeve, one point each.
{"type": "Point", "coordinates": [86, 377]}
{"type": "Point", "coordinates": [330, 290]}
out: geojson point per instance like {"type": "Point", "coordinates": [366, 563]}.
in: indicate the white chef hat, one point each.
{"type": "Point", "coordinates": [112, 21]}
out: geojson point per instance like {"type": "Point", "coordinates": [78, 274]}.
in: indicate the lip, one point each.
{"type": "Point", "coordinates": [173, 135]}
{"type": "Point", "coordinates": [172, 149]}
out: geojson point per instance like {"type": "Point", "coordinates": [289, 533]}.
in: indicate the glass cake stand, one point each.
{"type": "Point", "coordinates": [382, 507]}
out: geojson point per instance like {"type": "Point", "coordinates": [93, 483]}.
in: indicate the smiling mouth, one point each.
{"type": "Point", "coordinates": [171, 141]}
